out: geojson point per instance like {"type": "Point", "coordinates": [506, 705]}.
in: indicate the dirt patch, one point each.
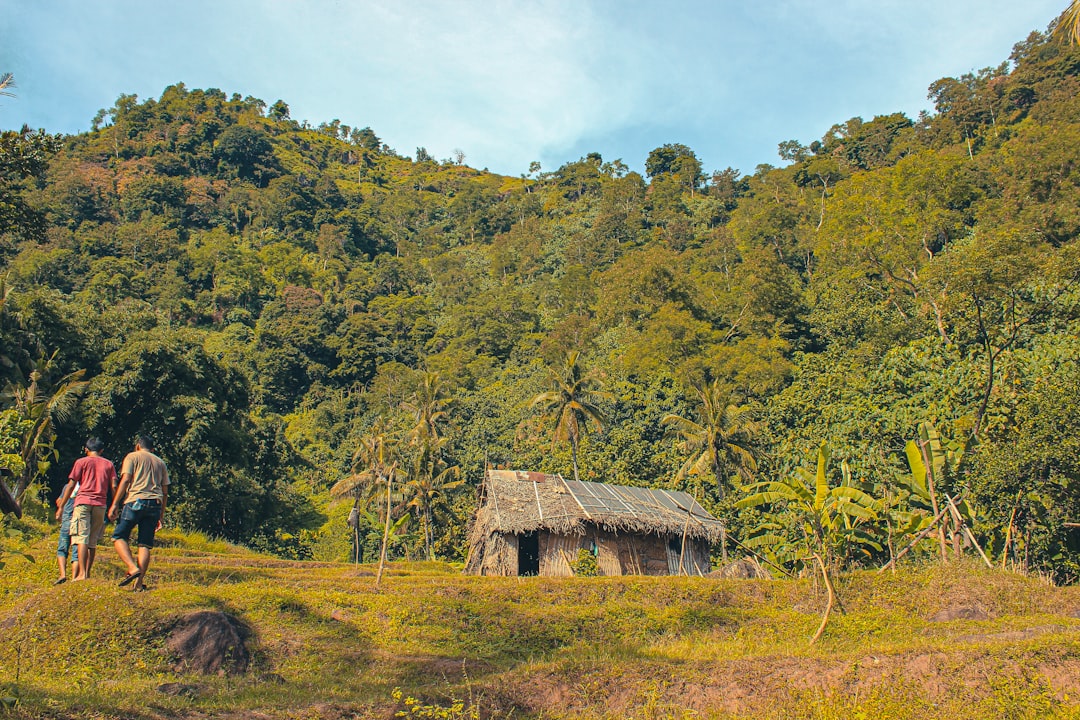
{"type": "Point", "coordinates": [210, 643]}
{"type": "Point", "coordinates": [961, 612]}
{"type": "Point", "coordinates": [753, 686]}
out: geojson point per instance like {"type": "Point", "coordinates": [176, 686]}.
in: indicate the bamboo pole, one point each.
{"type": "Point", "coordinates": [1008, 533]}
{"type": "Point", "coordinates": [970, 536]}
{"type": "Point", "coordinates": [386, 531]}
{"type": "Point", "coordinates": [922, 534]}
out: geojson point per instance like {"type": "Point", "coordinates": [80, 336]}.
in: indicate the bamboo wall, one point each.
{"type": "Point", "coordinates": [616, 554]}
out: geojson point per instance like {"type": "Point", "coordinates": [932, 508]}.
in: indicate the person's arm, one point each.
{"type": "Point", "coordinates": [114, 511]}
{"type": "Point", "coordinates": [113, 486]}
{"type": "Point", "coordinates": [64, 497]}
{"type": "Point", "coordinates": [164, 497]}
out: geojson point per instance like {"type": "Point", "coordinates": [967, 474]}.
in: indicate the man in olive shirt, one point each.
{"type": "Point", "coordinates": [144, 487]}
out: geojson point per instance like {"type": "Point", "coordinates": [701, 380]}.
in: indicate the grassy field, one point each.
{"type": "Point", "coordinates": [326, 644]}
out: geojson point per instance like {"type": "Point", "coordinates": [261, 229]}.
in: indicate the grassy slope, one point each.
{"type": "Point", "coordinates": [328, 645]}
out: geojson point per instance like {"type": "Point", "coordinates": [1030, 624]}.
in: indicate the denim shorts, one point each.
{"type": "Point", "coordinates": [63, 546]}
{"type": "Point", "coordinates": [141, 514]}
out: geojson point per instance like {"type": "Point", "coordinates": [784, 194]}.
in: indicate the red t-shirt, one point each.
{"type": "Point", "coordinates": [95, 476]}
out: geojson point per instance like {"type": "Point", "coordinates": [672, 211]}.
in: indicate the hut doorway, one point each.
{"type": "Point", "coordinates": [529, 554]}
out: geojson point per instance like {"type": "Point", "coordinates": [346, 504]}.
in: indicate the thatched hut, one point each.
{"type": "Point", "coordinates": [535, 524]}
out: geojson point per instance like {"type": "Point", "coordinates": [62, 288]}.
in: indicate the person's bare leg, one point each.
{"type": "Point", "coordinates": [80, 566]}
{"type": "Point", "coordinates": [144, 565]}
{"type": "Point", "coordinates": [124, 551]}
{"type": "Point", "coordinates": [91, 553]}
{"type": "Point", "coordinates": [61, 561]}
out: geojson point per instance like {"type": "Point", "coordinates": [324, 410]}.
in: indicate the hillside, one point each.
{"type": "Point", "coordinates": [326, 644]}
{"type": "Point", "coordinates": [301, 316]}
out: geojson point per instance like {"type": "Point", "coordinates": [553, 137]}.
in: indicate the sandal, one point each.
{"type": "Point", "coordinates": [129, 578]}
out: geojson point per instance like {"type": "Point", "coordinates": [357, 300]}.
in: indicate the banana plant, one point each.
{"type": "Point", "coordinates": [831, 520]}
{"type": "Point", "coordinates": [935, 462]}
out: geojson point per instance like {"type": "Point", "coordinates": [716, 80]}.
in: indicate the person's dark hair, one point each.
{"type": "Point", "coordinates": [94, 445]}
{"type": "Point", "coordinates": [145, 443]}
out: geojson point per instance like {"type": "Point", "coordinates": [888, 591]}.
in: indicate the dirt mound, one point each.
{"type": "Point", "coordinates": [744, 569]}
{"type": "Point", "coordinates": [962, 612]}
{"type": "Point", "coordinates": [211, 643]}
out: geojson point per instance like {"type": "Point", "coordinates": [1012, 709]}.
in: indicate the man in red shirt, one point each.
{"type": "Point", "coordinates": [96, 478]}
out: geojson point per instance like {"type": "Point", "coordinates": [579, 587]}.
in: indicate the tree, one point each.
{"type": "Point", "coordinates": [573, 402]}
{"type": "Point", "coordinates": [718, 443]}
{"type": "Point", "coordinates": [430, 477]}
{"type": "Point", "coordinates": [24, 155]}
{"type": "Point", "coordinates": [373, 465]}
{"type": "Point", "coordinates": [279, 111]}
{"type": "Point", "coordinates": [1068, 25]}
{"type": "Point", "coordinates": [247, 153]}
{"type": "Point", "coordinates": [428, 488]}
{"type": "Point", "coordinates": [40, 406]}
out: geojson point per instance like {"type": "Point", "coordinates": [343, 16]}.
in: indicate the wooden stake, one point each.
{"type": "Point", "coordinates": [927, 463]}
{"type": "Point", "coordinates": [970, 536]}
{"type": "Point", "coordinates": [922, 534]}
{"type": "Point", "coordinates": [386, 532]}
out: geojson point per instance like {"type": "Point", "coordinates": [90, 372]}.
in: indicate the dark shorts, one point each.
{"type": "Point", "coordinates": [142, 514]}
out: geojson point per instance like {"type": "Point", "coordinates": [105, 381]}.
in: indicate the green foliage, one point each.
{"type": "Point", "coordinates": [585, 564]}
{"type": "Point", "coordinates": [831, 522]}
{"type": "Point", "coordinates": [257, 292]}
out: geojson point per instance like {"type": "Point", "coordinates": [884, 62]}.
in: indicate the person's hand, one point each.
{"type": "Point", "coordinates": [113, 513]}
{"type": "Point", "coordinates": [59, 504]}
{"type": "Point", "coordinates": [59, 509]}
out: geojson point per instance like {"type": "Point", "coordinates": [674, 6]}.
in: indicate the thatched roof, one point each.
{"type": "Point", "coordinates": [520, 502]}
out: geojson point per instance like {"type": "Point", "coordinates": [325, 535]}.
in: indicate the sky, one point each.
{"type": "Point", "coordinates": [508, 83]}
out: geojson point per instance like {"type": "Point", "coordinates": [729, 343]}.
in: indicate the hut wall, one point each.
{"type": "Point", "coordinates": [557, 552]}
{"type": "Point", "coordinates": [500, 555]}
{"type": "Point", "coordinates": [618, 554]}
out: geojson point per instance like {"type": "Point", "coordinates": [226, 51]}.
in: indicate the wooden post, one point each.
{"type": "Point", "coordinates": [1008, 533]}
{"type": "Point", "coordinates": [923, 533]}
{"type": "Point", "coordinates": [386, 531]}
{"type": "Point", "coordinates": [959, 521]}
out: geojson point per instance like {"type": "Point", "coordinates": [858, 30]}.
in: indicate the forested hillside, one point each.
{"type": "Point", "coordinates": [293, 310]}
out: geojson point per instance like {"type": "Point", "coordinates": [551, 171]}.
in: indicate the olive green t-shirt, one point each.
{"type": "Point", "coordinates": [148, 476]}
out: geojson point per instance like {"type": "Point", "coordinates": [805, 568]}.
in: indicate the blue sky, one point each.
{"type": "Point", "coordinates": [508, 83]}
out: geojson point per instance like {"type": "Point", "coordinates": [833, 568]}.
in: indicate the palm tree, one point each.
{"type": "Point", "coordinates": [428, 407]}
{"type": "Point", "coordinates": [375, 465]}
{"type": "Point", "coordinates": [573, 402]}
{"type": "Point", "coordinates": [428, 489]}
{"type": "Point", "coordinates": [7, 80]}
{"type": "Point", "coordinates": [42, 407]}
{"type": "Point", "coordinates": [718, 441]}
{"type": "Point", "coordinates": [431, 477]}
{"type": "Point", "coordinates": [1068, 25]}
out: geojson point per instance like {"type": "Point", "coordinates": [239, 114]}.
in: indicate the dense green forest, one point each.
{"type": "Point", "coordinates": [298, 314]}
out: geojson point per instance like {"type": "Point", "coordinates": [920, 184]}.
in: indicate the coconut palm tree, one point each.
{"type": "Point", "coordinates": [7, 80]}
{"type": "Point", "coordinates": [718, 442]}
{"type": "Point", "coordinates": [1068, 25]}
{"type": "Point", "coordinates": [375, 464]}
{"type": "Point", "coordinates": [428, 407]}
{"type": "Point", "coordinates": [573, 402]}
{"type": "Point", "coordinates": [429, 488]}
{"type": "Point", "coordinates": [42, 406]}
